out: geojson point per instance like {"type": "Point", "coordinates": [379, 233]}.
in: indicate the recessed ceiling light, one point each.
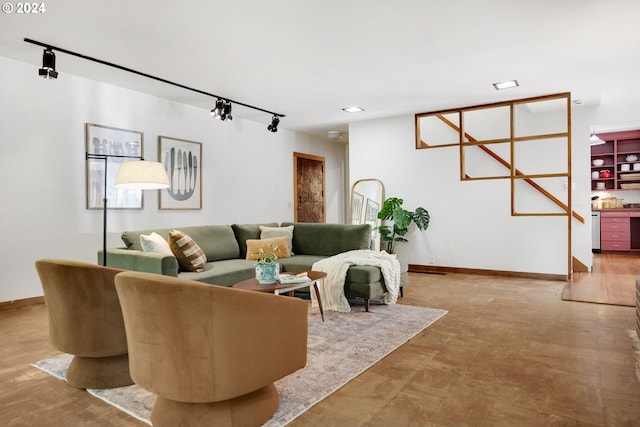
{"type": "Point", "coordinates": [506, 85]}
{"type": "Point", "coordinates": [353, 109]}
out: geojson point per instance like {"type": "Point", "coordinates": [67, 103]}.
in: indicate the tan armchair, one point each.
{"type": "Point", "coordinates": [85, 320]}
{"type": "Point", "coordinates": [210, 353]}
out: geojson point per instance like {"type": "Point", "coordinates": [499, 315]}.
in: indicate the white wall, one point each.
{"type": "Point", "coordinates": [471, 225]}
{"type": "Point", "coordinates": [247, 171]}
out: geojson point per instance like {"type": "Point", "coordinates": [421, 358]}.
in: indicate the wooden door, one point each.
{"type": "Point", "coordinates": [308, 188]}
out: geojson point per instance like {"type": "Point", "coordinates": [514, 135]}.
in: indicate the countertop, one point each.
{"type": "Point", "coordinates": [616, 209]}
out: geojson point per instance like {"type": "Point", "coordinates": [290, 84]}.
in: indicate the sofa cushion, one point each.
{"type": "Point", "coordinates": [298, 263]}
{"type": "Point", "coordinates": [227, 272]}
{"type": "Point", "coordinates": [131, 239]}
{"type": "Point", "coordinates": [243, 232]}
{"type": "Point", "coordinates": [276, 245]}
{"type": "Point", "coordinates": [355, 273]}
{"type": "Point", "coordinates": [189, 255]}
{"type": "Point", "coordinates": [329, 239]}
{"type": "Point", "coordinates": [217, 241]}
{"type": "Point", "coordinates": [364, 274]}
{"type": "Point", "coordinates": [155, 243]}
{"type": "Point", "coordinates": [269, 232]}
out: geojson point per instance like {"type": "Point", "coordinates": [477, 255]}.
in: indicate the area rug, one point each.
{"type": "Point", "coordinates": [339, 349]}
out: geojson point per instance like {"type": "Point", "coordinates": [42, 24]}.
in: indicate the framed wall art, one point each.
{"type": "Point", "coordinates": [371, 215]}
{"type": "Point", "coordinates": [182, 160]}
{"type": "Point", "coordinates": [110, 141]}
{"type": "Point", "coordinates": [357, 200]}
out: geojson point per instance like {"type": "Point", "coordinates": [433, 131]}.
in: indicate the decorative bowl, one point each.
{"type": "Point", "coordinates": [598, 162]}
{"type": "Point", "coordinates": [632, 158]}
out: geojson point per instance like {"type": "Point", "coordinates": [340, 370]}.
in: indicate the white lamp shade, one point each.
{"type": "Point", "coordinates": [142, 175]}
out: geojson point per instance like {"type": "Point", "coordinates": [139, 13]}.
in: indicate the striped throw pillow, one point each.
{"type": "Point", "coordinates": [189, 255]}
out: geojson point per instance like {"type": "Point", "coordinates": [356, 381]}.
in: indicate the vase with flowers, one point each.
{"type": "Point", "coordinates": [267, 269]}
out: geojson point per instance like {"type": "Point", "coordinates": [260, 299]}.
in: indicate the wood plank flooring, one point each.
{"type": "Point", "coordinates": [612, 281]}
{"type": "Point", "coordinates": [510, 352]}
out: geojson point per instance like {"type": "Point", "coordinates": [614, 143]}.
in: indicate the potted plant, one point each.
{"type": "Point", "coordinates": [267, 269]}
{"type": "Point", "coordinates": [401, 218]}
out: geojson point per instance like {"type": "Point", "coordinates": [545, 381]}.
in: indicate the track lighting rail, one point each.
{"type": "Point", "coordinates": [130, 70]}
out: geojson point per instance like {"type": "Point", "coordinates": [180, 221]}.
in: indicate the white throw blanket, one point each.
{"type": "Point", "coordinates": [332, 287]}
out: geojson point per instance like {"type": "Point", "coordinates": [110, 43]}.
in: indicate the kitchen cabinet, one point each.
{"type": "Point", "coordinates": [617, 153]}
{"type": "Point", "coordinates": [615, 230]}
{"type": "Point", "coordinates": [620, 230]}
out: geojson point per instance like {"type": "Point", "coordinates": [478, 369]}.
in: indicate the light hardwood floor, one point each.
{"type": "Point", "coordinates": [510, 352]}
{"type": "Point", "coordinates": [613, 281]}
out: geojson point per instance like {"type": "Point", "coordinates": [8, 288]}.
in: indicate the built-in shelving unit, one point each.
{"type": "Point", "coordinates": [625, 172]}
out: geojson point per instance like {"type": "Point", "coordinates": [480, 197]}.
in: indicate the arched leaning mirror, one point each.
{"type": "Point", "coordinates": [367, 196]}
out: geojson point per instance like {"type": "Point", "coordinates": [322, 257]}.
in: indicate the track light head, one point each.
{"type": "Point", "coordinates": [48, 70]}
{"type": "Point", "coordinates": [273, 127]}
{"type": "Point", "coordinates": [217, 110]}
{"type": "Point", "coordinates": [226, 112]}
{"type": "Point", "coordinates": [222, 110]}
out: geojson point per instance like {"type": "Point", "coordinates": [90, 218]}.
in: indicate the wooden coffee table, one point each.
{"type": "Point", "coordinates": [281, 288]}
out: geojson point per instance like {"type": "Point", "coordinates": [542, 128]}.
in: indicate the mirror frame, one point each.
{"type": "Point", "coordinates": [375, 236]}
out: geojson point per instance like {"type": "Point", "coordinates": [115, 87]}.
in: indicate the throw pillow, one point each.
{"type": "Point", "coordinates": [276, 245]}
{"type": "Point", "coordinates": [269, 232]}
{"type": "Point", "coordinates": [155, 243]}
{"type": "Point", "coordinates": [189, 255]}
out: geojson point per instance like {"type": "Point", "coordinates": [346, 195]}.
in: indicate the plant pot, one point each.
{"type": "Point", "coordinates": [267, 274]}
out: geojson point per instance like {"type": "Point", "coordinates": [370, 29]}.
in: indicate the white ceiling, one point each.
{"type": "Point", "coordinates": [309, 59]}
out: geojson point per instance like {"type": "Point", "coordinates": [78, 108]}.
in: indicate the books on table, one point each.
{"type": "Point", "coordinates": [293, 278]}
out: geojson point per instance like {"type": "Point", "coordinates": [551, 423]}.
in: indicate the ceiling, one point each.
{"type": "Point", "coordinates": [308, 60]}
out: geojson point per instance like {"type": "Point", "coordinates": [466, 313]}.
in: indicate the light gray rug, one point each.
{"type": "Point", "coordinates": [339, 349]}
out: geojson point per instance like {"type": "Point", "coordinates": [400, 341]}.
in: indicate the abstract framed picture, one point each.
{"type": "Point", "coordinates": [110, 141]}
{"type": "Point", "coordinates": [182, 159]}
{"type": "Point", "coordinates": [371, 215]}
{"type": "Point", "coordinates": [357, 200]}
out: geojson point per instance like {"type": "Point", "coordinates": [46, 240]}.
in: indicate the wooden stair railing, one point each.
{"type": "Point", "coordinates": [506, 164]}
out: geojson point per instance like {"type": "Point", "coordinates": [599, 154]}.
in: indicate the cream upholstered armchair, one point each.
{"type": "Point", "coordinates": [85, 320]}
{"type": "Point", "coordinates": [210, 353]}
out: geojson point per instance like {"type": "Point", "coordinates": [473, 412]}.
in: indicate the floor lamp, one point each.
{"type": "Point", "coordinates": [140, 175]}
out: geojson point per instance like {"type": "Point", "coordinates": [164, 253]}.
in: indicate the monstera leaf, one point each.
{"type": "Point", "coordinates": [421, 218]}
{"type": "Point", "coordinates": [401, 218]}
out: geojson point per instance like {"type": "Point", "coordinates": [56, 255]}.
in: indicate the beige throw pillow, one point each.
{"type": "Point", "coordinates": [276, 245]}
{"type": "Point", "coordinates": [269, 232]}
{"type": "Point", "coordinates": [190, 256]}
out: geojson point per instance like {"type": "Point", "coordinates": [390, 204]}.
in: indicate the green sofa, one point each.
{"type": "Point", "coordinates": [225, 248]}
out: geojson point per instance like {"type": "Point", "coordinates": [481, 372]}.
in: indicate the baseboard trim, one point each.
{"type": "Point", "coordinates": [433, 269]}
{"type": "Point", "coordinates": [21, 303]}
{"type": "Point", "coordinates": [414, 268]}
